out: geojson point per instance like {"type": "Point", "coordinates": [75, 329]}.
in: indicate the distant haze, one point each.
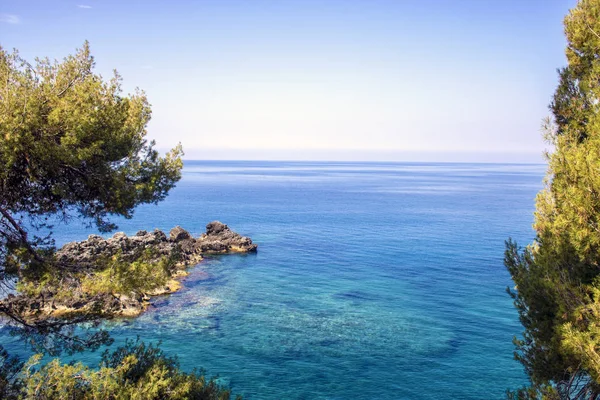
{"type": "Point", "coordinates": [390, 80]}
{"type": "Point", "coordinates": [366, 155]}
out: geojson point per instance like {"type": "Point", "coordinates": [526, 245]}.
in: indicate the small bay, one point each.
{"type": "Point", "coordinates": [371, 281]}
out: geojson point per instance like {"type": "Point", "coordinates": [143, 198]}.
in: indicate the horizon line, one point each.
{"type": "Point", "coordinates": [346, 155]}
{"type": "Point", "coordinates": [185, 159]}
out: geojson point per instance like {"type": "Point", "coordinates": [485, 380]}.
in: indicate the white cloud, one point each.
{"type": "Point", "coordinates": [10, 19]}
{"type": "Point", "coordinates": [84, 6]}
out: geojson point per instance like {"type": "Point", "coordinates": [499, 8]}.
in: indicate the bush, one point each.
{"type": "Point", "coordinates": [133, 371]}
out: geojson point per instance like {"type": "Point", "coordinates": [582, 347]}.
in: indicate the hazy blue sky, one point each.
{"type": "Point", "coordinates": [418, 79]}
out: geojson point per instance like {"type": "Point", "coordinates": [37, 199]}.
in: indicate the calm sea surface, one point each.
{"type": "Point", "coordinates": [371, 281]}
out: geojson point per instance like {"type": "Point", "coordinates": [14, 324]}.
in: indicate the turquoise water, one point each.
{"type": "Point", "coordinates": [372, 280]}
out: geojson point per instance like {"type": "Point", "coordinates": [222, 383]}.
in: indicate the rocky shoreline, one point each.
{"type": "Point", "coordinates": [180, 248]}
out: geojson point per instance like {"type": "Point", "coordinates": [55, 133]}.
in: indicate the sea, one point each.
{"type": "Point", "coordinates": [371, 280]}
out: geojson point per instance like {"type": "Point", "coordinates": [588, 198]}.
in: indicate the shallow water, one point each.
{"type": "Point", "coordinates": [372, 280]}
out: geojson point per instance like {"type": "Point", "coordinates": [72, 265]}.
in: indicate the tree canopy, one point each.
{"type": "Point", "coordinates": [72, 145]}
{"type": "Point", "coordinates": [71, 142]}
{"type": "Point", "coordinates": [133, 371]}
{"type": "Point", "coordinates": [557, 278]}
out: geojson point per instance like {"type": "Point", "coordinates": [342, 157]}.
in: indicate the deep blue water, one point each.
{"type": "Point", "coordinates": [372, 280]}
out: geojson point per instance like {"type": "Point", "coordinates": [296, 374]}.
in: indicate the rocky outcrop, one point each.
{"type": "Point", "coordinates": [154, 244]}
{"type": "Point", "coordinates": [220, 239]}
{"type": "Point", "coordinates": [78, 259]}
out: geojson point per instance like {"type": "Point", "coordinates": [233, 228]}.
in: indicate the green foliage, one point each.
{"type": "Point", "coordinates": [557, 278]}
{"type": "Point", "coordinates": [71, 146]}
{"type": "Point", "coordinates": [134, 371]}
{"type": "Point", "coordinates": [121, 276]}
{"type": "Point", "coordinates": [70, 140]}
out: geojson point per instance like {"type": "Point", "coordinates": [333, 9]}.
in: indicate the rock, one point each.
{"type": "Point", "coordinates": [159, 235]}
{"type": "Point", "coordinates": [217, 239]}
{"type": "Point", "coordinates": [188, 245]}
{"type": "Point", "coordinates": [215, 227]}
{"type": "Point", "coordinates": [220, 239]}
{"type": "Point", "coordinates": [178, 234]}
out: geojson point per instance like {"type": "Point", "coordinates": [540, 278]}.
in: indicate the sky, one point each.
{"type": "Point", "coordinates": [373, 80]}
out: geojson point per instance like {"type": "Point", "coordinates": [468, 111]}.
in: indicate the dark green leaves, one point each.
{"type": "Point", "coordinates": [557, 278]}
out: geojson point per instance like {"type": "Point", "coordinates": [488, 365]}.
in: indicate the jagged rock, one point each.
{"type": "Point", "coordinates": [86, 254]}
{"type": "Point", "coordinates": [188, 245]}
{"type": "Point", "coordinates": [216, 227]}
{"type": "Point", "coordinates": [159, 235]}
{"type": "Point", "coordinates": [178, 233]}
{"type": "Point", "coordinates": [220, 239]}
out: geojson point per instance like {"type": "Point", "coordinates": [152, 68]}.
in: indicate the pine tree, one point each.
{"type": "Point", "coordinates": [557, 278]}
{"type": "Point", "coordinates": [71, 146]}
